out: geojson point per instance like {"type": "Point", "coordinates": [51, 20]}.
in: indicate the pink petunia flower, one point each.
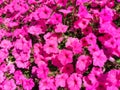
{"type": "Point", "coordinates": [93, 48]}
{"type": "Point", "coordinates": [42, 71]}
{"type": "Point", "coordinates": [118, 1]}
{"type": "Point", "coordinates": [6, 44]}
{"type": "Point", "coordinates": [28, 84]}
{"type": "Point", "coordinates": [9, 85]}
{"type": "Point", "coordinates": [3, 54]}
{"type": "Point", "coordinates": [74, 45]}
{"type": "Point", "coordinates": [81, 23]}
{"type": "Point", "coordinates": [51, 46]}
{"type": "Point", "coordinates": [99, 58]}
{"type": "Point", "coordinates": [19, 77]}
{"type": "Point", "coordinates": [87, 30]}
{"type": "Point", "coordinates": [10, 68]}
{"type": "Point", "coordinates": [74, 81]}
{"type": "Point", "coordinates": [92, 80]}
{"type": "Point", "coordinates": [47, 84]}
{"type": "Point", "coordinates": [60, 28]}
{"type": "Point", "coordinates": [111, 43]}
{"type": "Point", "coordinates": [22, 64]}
{"type": "Point", "coordinates": [57, 36]}
{"type": "Point", "coordinates": [106, 15]}
{"type": "Point", "coordinates": [35, 30]}
{"type": "Point", "coordinates": [66, 11]}
{"type": "Point", "coordinates": [68, 68]}
{"type": "Point", "coordinates": [1, 76]}
{"type": "Point", "coordinates": [61, 2]}
{"type": "Point", "coordinates": [91, 38]}
{"type": "Point", "coordinates": [65, 56]}
{"type": "Point", "coordinates": [83, 13]}
{"type": "Point", "coordinates": [55, 19]}
{"type": "Point", "coordinates": [61, 79]}
{"type": "Point", "coordinates": [44, 12]}
{"type": "Point", "coordinates": [83, 63]}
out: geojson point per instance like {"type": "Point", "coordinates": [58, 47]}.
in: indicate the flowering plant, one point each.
{"type": "Point", "coordinates": [59, 44]}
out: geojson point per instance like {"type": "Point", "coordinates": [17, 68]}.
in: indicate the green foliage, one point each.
{"type": "Point", "coordinates": [62, 44]}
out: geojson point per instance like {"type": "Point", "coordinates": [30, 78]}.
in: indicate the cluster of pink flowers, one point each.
{"type": "Point", "coordinates": [59, 44]}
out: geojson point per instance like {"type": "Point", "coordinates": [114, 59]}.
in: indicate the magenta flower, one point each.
{"type": "Point", "coordinates": [44, 12]}
{"type": "Point", "coordinates": [28, 84]}
{"type": "Point", "coordinates": [91, 38]}
{"type": "Point", "coordinates": [61, 79]}
{"type": "Point", "coordinates": [3, 54]}
{"type": "Point", "coordinates": [112, 87]}
{"type": "Point", "coordinates": [55, 19]}
{"type": "Point", "coordinates": [87, 30]}
{"type": "Point", "coordinates": [65, 56]}
{"type": "Point", "coordinates": [83, 63]}
{"type": "Point", "coordinates": [56, 62]}
{"type": "Point", "coordinates": [9, 84]}
{"type": "Point", "coordinates": [22, 63]}
{"type": "Point", "coordinates": [104, 16]}
{"type": "Point", "coordinates": [51, 35]}
{"type": "Point", "coordinates": [66, 11]}
{"type": "Point", "coordinates": [59, 44]}
{"type": "Point", "coordinates": [2, 78]}
{"type": "Point", "coordinates": [42, 71]}
{"type": "Point", "coordinates": [51, 46]}
{"type": "Point", "coordinates": [6, 44]}
{"type": "Point", "coordinates": [74, 81]}
{"type": "Point", "coordinates": [35, 30]}
{"type": "Point", "coordinates": [83, 13]}
{"type": "Point", "coordinates": [93, 48]}
{"type": "Point", "coordinates": [84, 41]}
{"type": "Point", "coordinates": [113, 77]}
{"type": "Point", "coordinates": [81, 23]}
{"type": "Point", "coordinates": [118, 0]}
{"type": "Point", "coordinates": [111, 43]}
{"type": "Point", "coordinates": [2, 33]}
{"type": "Point", "coordinates": [91, 81]}
{"type": "Point", "coordinates": [10, 68]}
{"type": "Point", "coordinates": [74, 45]}
{"type": "Point", "coordinates": [47, 84]}
{"type": "Point", "coordinates": [60, 28]}
{"type": "Point", "coordinates": [31, 1]}
{"type": "Point", "coordinates": [99, 58]}
{"type": "Point", "coordinates": [61, 2]}
{"type": "Point", "coordinates": [19, 77]}
{"type": "Point", "coordinates": [68, 68]}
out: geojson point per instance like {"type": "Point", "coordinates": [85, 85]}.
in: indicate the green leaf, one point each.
{"type": "Point", "coordinates": [118, 60]}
